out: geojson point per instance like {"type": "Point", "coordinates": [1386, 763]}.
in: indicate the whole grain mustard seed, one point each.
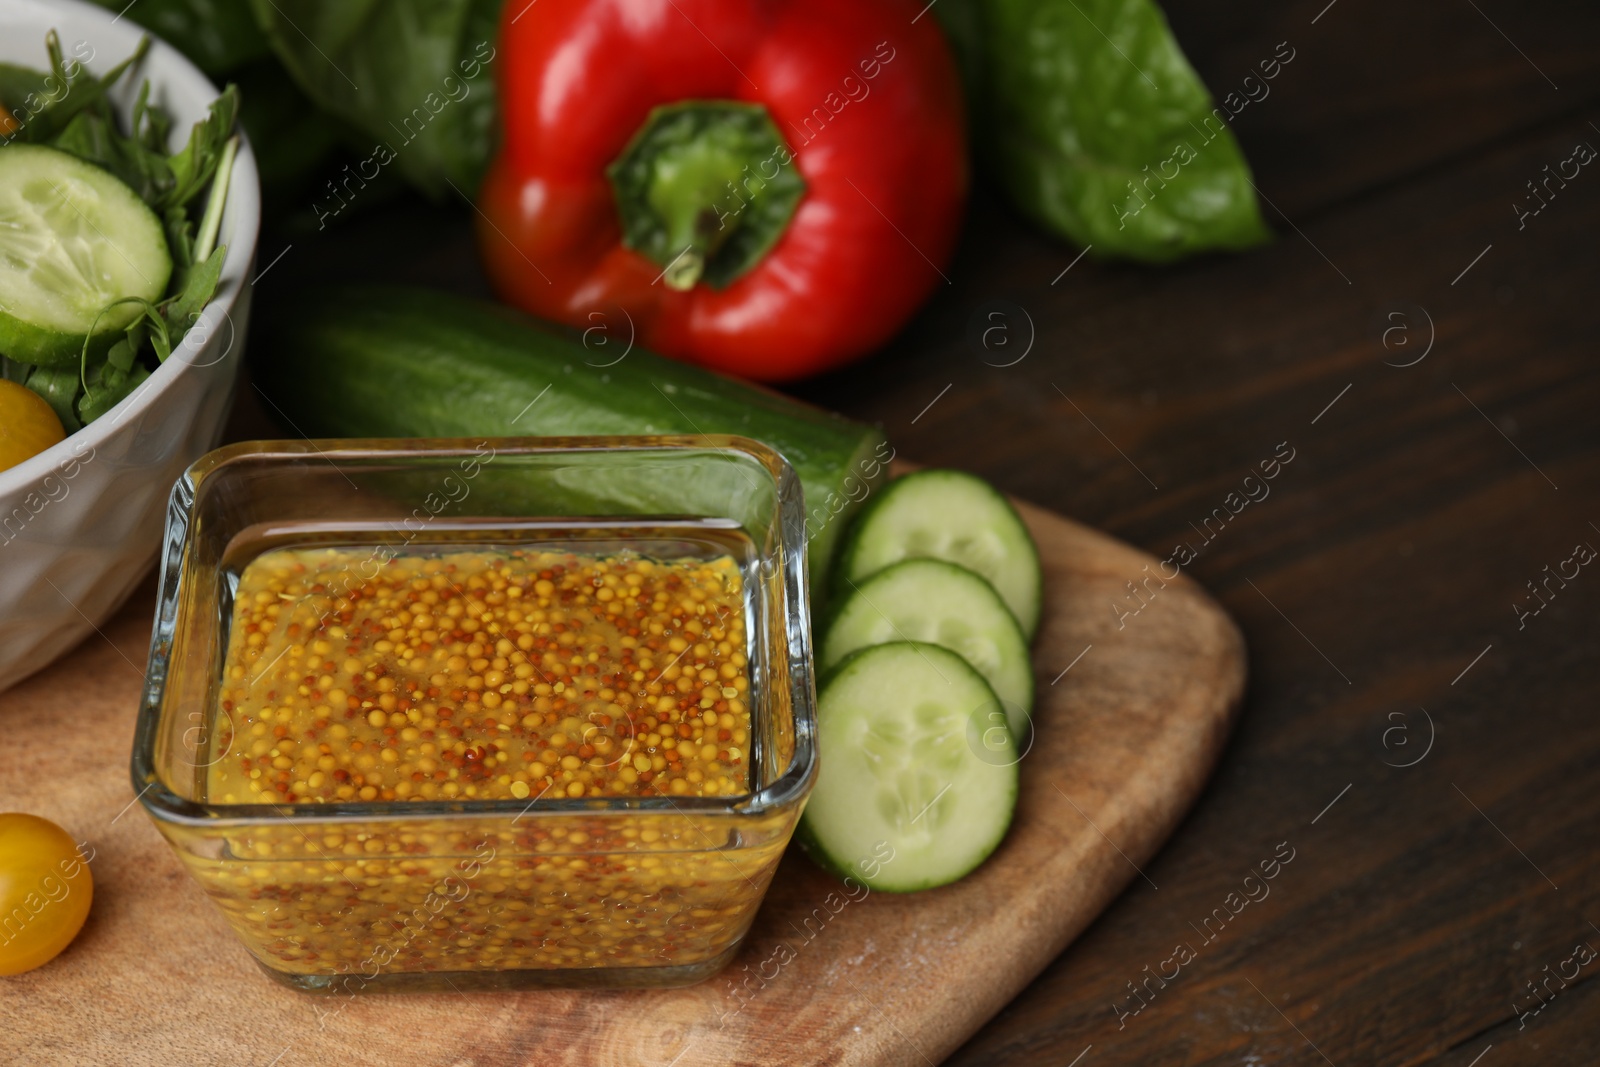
{"type": "Point", "coordinates": [485, 675]}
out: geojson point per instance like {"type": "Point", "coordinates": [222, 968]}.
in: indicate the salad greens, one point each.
{"type": "Point", "coordinates": [293, 139]}
{"type": "Point", "coordinates": [1099, 129]}
{"type": "Point", "coordinates": [68, 109]}
{"type": "Point", "coordinates": [421, 67]}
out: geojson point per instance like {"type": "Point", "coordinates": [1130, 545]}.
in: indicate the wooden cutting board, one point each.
{"type": "Point", "coordinates": [1132, 713]}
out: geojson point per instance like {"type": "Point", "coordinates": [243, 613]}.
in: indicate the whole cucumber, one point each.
{"type": "Point", "coordinates": [376, 361]}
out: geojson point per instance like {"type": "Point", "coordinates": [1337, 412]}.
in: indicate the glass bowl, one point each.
{"type": "Point", "coordinates": [383, 895]}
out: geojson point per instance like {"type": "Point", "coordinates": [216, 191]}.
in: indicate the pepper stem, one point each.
{"type": "Point", "coordinates": [705, 189]}
{"type": "Point", "coordinates": [684, 271]}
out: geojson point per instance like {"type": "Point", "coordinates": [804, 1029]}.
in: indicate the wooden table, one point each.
{"type": "Point", "coordinates": [1430, 364]}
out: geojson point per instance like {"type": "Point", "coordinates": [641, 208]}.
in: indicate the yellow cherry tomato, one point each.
{"type": "Point", "coordinates": [28, 425]}
{"type": "Point", "coordinates": [45, 890]}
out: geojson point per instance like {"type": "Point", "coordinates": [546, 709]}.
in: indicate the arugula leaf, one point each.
{"type": "Point", "coordinates": [180, 240]}
{"type": "Point", "coordinates": [290, 135]}
{"type": "Point", "coordinates": [196, 288]}
{"type": "Point", "coordinates": [107, 387]}
{"type": "Point", "coordinates": [1100, 129]}
{"type": "Point", "coordinates": [66, 90]}
{"type": "Point", "coordinates": [186, 246]}
{"type": "Point", "coordinates": [194, 164]}
{"type": "Point", "coordinates": [113, 376]}
{"type": "Point", "coordinates": [87, 137]}
{"type": "Point", "coordinates": [414, 74]}
{"type": "Point", "coordinates": [93, 135]}
{"type": "Point", "coordinates": [59, 387]}
{"type": "Point", "coordinates": [120, 355]}
{"type": "Point", "coordinates": [70, 111]}
{"type": "Point", "coordinates": [17, 85]}
{"type": "Point", "coordinates": [166, 183]}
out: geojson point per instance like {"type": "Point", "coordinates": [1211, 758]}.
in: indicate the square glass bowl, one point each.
{"type": "Point", "coordinates": [457, 893]}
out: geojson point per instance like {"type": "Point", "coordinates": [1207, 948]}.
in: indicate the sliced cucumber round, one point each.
{"type": "Point", "coordinates": [918, 777]}
{"type": "Point", "coordinates": [943, 604]}
{"type": "Point", "coordinates": [73, 240]}
{"type": "Point", "coordinates": [954, 516]}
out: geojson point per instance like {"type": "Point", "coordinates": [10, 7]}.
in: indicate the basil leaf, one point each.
{"type": "Point", "coordinates": [218, 35]}
{"type": "Point", "coordinates": [1100, 129]}
{"type": "Point", "coordinates": [415, 75]}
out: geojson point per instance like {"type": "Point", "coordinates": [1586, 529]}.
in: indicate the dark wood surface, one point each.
{"type": "Point", "coordinates": [1375, 585]}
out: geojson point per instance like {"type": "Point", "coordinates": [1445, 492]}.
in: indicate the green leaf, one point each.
{"type": "Point", "coordinates": [180, 240]}
{"type": "Point", "coordinates": [106, 390]}
{"type": "Point", "coordinates": [78, 118]}
{"type": "Point", "coordinates": [197, 287]}
{"type": "Point", "coordinates": [154, 124]}
{"type": "Point", "coordinates": [17, 84]}
{"type": "Point", "coordinates": [94, 136]}
{"type": "Point", "coordinates": [68, 90]}
{"type": "Point", "coordinates": [194, 164]}
{"type": "Point", "coordinates": [60, 387]}
{"type": "Point", "coordinates": [218, 35]}
{"type": "Point", "coordinates": [89, 137]}
{"type": "Point", "coordinates": [120, 355]}
{"type": "Point", "coordinates": [164, 182]}
{"type": "Point", "coordinates": [290, 136]}
{"type": "Point", "coordinates": [416, 76]}
{"type": "Point", "coordinates": [1100, 129]}
{"type": "Point", "coordinates": [161, 341]}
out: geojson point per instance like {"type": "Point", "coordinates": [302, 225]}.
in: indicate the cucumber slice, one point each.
{"type": "Point", "coordinates": [954, 516]}
{"type": "Point", "coordinates": [943, 604]}
{"type": "Point", "coordinates": [918, 778]}
{"type": "Point", "coordinates": [73, 239]}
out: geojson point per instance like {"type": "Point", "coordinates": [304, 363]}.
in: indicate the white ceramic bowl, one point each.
{"type": "Point", "coordinates": [80, 523]}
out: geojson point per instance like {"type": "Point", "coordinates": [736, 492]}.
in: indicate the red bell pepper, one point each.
{"type": "Point", "coordinates": [767, 187]}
